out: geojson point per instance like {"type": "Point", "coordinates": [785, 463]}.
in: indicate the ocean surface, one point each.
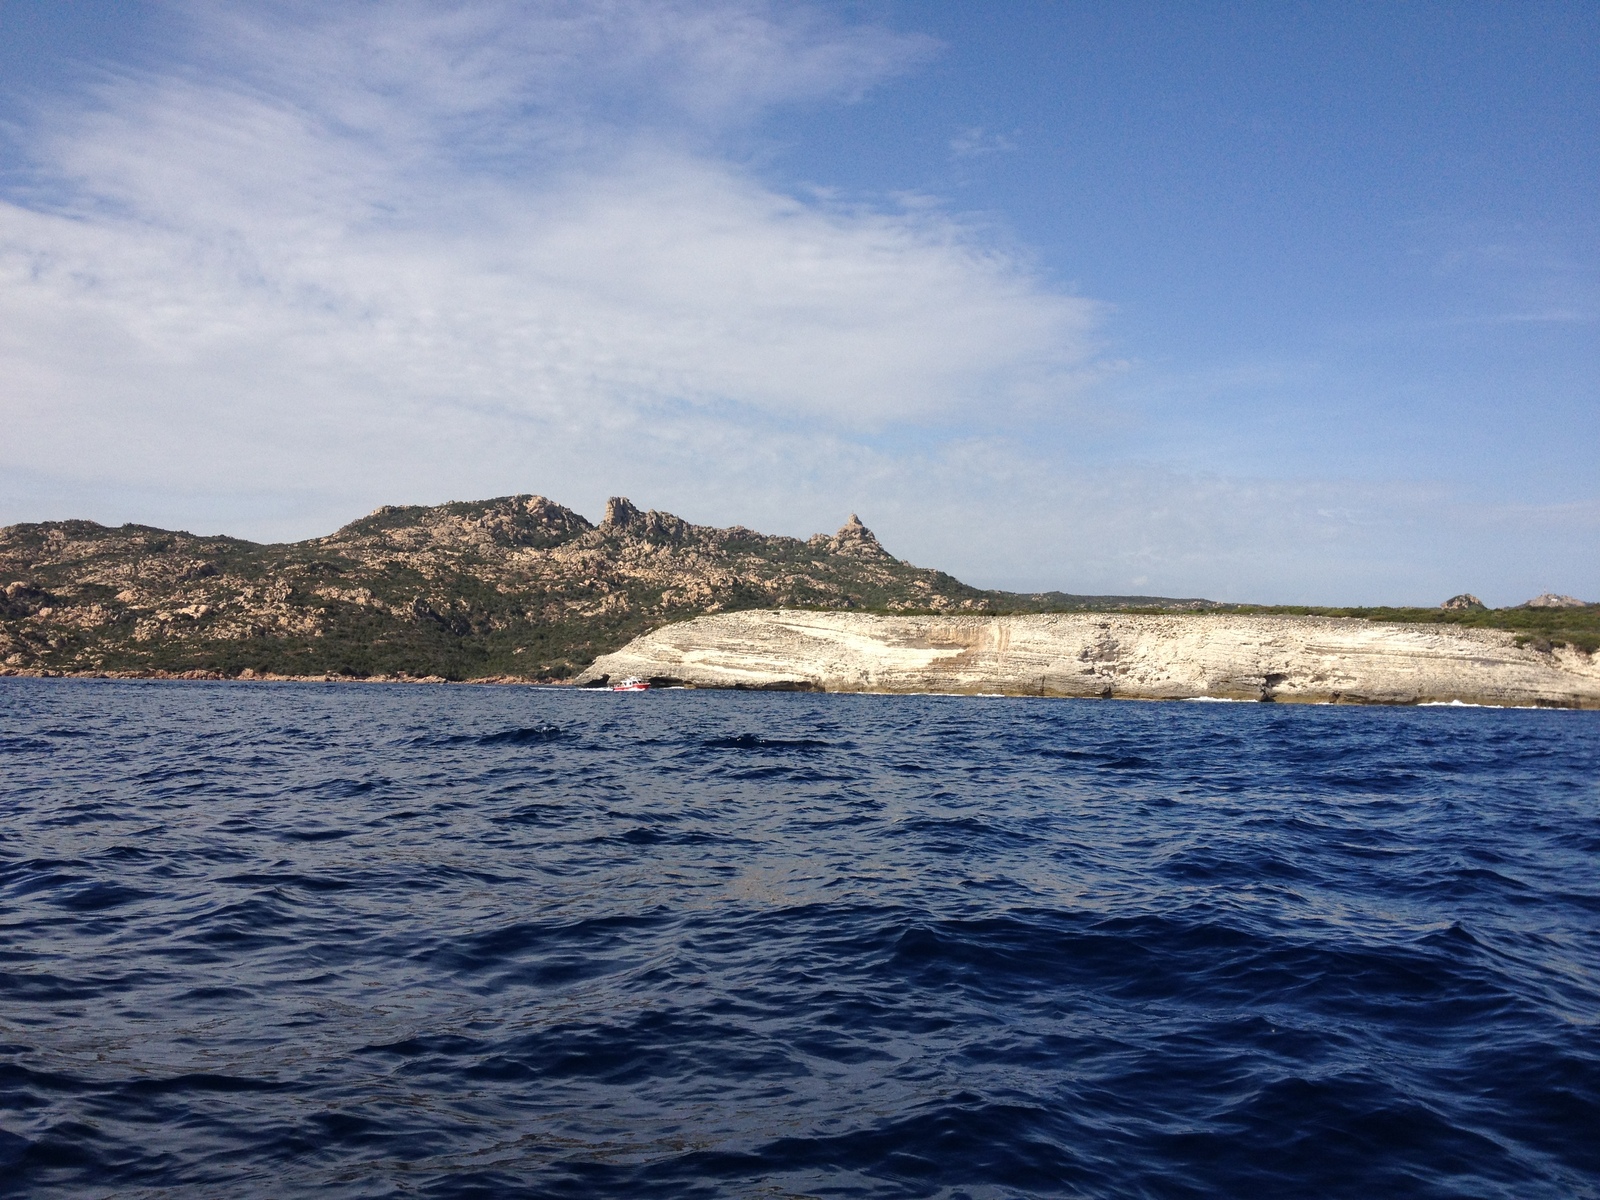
{"type": "Point", "coordinates": [362, 940]}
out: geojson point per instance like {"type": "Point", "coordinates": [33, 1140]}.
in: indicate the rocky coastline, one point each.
{"type": "Point", "coordinates": [517, 588]}
{"type": "Point", "coordinates": [521, 590]}
{"type": "Point", "coordinates": [1218, 656]}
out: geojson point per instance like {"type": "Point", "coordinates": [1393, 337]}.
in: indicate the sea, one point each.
{"type": "Point", "coordinates": [362, 940]}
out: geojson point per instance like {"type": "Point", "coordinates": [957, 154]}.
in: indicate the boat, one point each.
{"type": "Point", "coordinates": [632, 684]}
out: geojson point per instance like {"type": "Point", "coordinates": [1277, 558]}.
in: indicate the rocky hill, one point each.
{"type": "Point", "coordinates": [517, 587]}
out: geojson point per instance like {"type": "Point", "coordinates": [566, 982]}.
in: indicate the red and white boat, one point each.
{"type": "Point", "coordinates": [632, 684]}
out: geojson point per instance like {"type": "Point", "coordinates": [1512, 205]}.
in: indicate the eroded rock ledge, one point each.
{"type": "Point", "coordinates": [1296, 659]}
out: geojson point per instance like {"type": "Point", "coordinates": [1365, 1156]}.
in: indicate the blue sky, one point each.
{"type": "Point", "coordinates": [1280, 302]}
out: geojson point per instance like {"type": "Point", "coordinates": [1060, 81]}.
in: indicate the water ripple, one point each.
{"type": "Point", "coordinates": [263, 940]}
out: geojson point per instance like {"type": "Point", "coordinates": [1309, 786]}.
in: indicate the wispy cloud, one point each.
{"type": "Point", "coordinates": [1555, 316]}
{"type": "Point", "coordinates": [317, 243]}
{"type": "Point", "coordinates": [978, 142]}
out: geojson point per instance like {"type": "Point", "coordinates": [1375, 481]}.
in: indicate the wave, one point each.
{"type": "Point", "coordinates": [363, 942]}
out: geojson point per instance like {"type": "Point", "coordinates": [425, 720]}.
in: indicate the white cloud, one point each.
{"type": "Point", "coordinates": [484, 62]}
{"type": "Point", "coordinates": [976, 142]}
{"type": "Point", "coordinates": [288, 257]}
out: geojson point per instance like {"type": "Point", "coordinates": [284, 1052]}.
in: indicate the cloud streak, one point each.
{"type": "Point", "coordinates": [290, 247]}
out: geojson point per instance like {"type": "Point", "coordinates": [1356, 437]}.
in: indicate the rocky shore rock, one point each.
{"type": "Point", "coordinates": [1136, 656]}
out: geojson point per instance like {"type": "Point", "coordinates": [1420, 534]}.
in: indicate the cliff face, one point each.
{"type": "Point", "coordinates": [1305, 659]}
{"type": "Point", "coordinates": [514, 587]}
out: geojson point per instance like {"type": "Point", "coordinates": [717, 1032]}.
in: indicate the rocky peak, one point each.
{"type": "Point", "coordinates": [856, 540]}
{"type": "Point", "coordinates": [523, 521]}
{"type": "Point", "coordinates": [508, 521]}
{"type": "Point", "coordinates": [538, 521]}
{"type": "Point", "coordinates": [1466, 600]}
{"type": "Point", "coordinates": [1553, 600]}
{"type": "Point", "coordinates": [621, 513]}
{"type": "Point", "coordinates": [623, 517]}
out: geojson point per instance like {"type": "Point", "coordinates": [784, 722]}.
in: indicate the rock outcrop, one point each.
{"type": "Point", "coordinates": [1552, 600]}
{"type": "Point", "coordinates": [854, 540]}
{"type": "Point", "coordinates": [1464, 602]}
{"type": "Point", "coordinates": [1223, 656]}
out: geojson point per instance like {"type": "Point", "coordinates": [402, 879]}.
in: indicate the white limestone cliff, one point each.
{"type": "Point", "coordinates": [1225, 656]}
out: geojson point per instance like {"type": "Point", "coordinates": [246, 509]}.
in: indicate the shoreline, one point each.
{"type": "Point", "coordinates": [1198, 657]}
{"type": "Point", "coordinates": [563, 685]}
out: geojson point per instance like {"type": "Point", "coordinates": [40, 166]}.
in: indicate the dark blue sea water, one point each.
{"type": "Point", "coordinates": [280, 939]}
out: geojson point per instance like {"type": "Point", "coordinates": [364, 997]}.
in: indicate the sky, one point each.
{"type": "Point", "coordinates": [1282, 302]}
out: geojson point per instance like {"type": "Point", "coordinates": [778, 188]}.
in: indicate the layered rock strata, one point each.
{"type": "Point", "coordinates": [1223, 656]}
